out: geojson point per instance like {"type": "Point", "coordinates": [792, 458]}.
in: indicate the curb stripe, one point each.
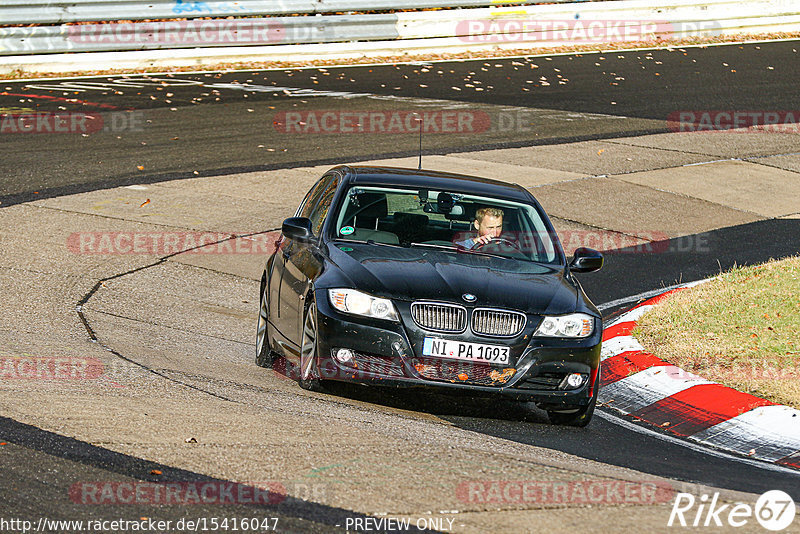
{"type": "Point", "coordinates": [633, 315]}
{"type": "Point", "coordinates": [658, 298]}
{"type": "Point", "coordinates": [699, 408]}
{"type": "Point", "coordinates": [618, 345]}
{"type": "Point", "coordinates": [768, 433]}
{"type": "Point", "coordinates": [627, 363]}
{"type": "Point", "coordinates": [619, 329]}
{"type": "Point", "coordinates": [791, 461]}
{"type": "Point", "coordinates": [648, 388]}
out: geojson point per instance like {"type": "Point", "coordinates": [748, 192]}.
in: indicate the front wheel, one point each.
{"type": "Point", "coordinates": [309, 353]}
{"type": "Point", "coordinates": [580, 417]}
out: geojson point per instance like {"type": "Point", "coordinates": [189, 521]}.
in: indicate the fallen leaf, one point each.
{"type": "Point", "coordinates": [140, 167]}
{"type": "Point", "coordinates": [601, 151]}
{"type": "Point", "coordinates": [145, 203]}
{"type": "Point", "coordinates": [462, 376]}
{"type": "Point", "coordinates": [155, 472]}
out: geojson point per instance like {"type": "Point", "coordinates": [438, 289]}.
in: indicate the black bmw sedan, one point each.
{"type": "Point", "coordinates": [417, 278]}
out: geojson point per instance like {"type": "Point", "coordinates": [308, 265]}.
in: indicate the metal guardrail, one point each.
{"type": "Point", "coordinates": [196, 33]}
{"type": "Point", "coordinates": [558, 24]}
{"type": "Point", "coordinates": [62, 11]}
{"type": "Point", "coordinates": [526, 25]}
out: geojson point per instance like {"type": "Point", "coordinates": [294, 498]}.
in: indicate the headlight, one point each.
{"type": "Point", "coordinates": [358, 303]}
{"type": "Point", "coordinates": [572, 325]}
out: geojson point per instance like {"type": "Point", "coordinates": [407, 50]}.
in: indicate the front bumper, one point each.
{"type": "Point", "coordinates": [387, 353]}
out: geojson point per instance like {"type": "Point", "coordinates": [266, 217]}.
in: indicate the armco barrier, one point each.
{"type": "Point", "coordinates": [61, 11]}
{"type": "Point", "coordinates": [195, 33]}
{"type": "Point", "coordinates": [603, 21]}
{"type": "Point", "coordinates": [247, 35]}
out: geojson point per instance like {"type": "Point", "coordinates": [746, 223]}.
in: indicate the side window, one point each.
{"type": "Point", "coordinates": [313, 196]}
{"type": "Point", "coordinates": [320, 211]}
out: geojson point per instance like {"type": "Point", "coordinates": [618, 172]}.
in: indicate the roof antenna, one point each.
{"type": "Point", "coordinates": [419, 120]}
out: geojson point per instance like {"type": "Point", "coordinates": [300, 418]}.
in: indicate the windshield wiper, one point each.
{"type": "Point", "coordinates": [434, 245]}
{"type": "Point", "coordinates": [481, 253]}
{"type": "Point", "coordinates": [367, 242]}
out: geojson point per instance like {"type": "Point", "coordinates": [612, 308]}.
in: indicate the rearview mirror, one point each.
{"type": "Point", "coordinates": [586, 260]}
{"type": "Point", "coordinates": [298, 228]}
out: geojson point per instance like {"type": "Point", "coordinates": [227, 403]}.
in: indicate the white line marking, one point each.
{"type": "Point", "coordinates": [648, 294]}
{"type": "Point", "coordinates": [709, 162]}
{"type": "Point", "coordinates": [634, 298]}
{"type": "Point", "coordinates": [630, 316]}
{"type": "Point", "coordinates": [613, 419]}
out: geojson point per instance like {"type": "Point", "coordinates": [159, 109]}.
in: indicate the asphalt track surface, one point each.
{"type": "Point", "coordinates": [208, 127]}
{"type": "Point", "coordinates": [212, 131]}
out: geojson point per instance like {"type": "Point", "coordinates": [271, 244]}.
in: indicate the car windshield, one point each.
{"type": "Point", "coordinates": [446, 220]}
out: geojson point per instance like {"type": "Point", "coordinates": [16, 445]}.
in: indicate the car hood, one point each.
{"type": "Point", "coordinates": [431, 274]}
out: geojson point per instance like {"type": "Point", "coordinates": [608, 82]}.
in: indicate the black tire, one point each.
{"type": "Point", "coordinates": [264, 354]}
{"type": "Point", "coordinates": [309, 352]}
{"type": "Point", "coordinates": [580, 417]}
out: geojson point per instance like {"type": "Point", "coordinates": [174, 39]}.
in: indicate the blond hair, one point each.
{"type": "Point", "coordinates": [492, 212]}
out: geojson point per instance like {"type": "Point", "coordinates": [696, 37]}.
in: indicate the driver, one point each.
{"type": "Point", "coordinates": [489, 224]}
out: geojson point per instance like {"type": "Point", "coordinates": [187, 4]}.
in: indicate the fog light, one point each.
{"type": "Point", "coordinates": [344, 356]}
{"type": "Point", "coordinates": [575, 380]}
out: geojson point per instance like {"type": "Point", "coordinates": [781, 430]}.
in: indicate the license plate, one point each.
{"type": "Point", "coordinates": [461, 350]}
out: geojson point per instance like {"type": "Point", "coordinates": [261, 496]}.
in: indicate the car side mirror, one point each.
{"type": "Point", "coordinates": [586, 260]}
{"type": "Point", "coordinates": [298, 228]}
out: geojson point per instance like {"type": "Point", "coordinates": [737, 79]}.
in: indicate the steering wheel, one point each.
{"type": "Point", "coordinates": [497, 241]}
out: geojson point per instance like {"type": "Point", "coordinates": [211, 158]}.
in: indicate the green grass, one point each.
{"type": "Point", "coordinates": [741, 329]}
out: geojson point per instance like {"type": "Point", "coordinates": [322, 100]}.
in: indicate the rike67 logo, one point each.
{"type": "Point", "coordinates": [774, 510]}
